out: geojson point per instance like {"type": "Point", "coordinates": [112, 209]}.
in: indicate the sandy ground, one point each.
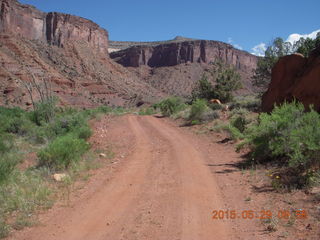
{"type": "Point", "coordinates": [163, 184]}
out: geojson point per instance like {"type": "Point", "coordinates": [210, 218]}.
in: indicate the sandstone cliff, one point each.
{"type": "Point", "coordinates": [68, 51]}
{"type": "Point", "coordinates": [171, 54]}
{"type": "Point", "coordinates": [175, 66]}
{"type": "Point", "coordinates": [294, 77]}
{"type": "Point", "coordinates": [54, 28]}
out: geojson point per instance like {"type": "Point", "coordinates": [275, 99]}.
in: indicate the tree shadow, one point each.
{"type": "Point", "coordinates": [262, 189]}
{"type": "Point", "coordinates": [227, 170]}
{"type": "Point", "coordinates": [225, 140]}
{"type": "Point", "coordinates": [159, 116]}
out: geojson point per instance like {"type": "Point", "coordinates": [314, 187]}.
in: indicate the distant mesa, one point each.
{"type": "Point", "coordinates": [121, 45]}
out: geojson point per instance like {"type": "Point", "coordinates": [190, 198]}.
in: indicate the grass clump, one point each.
{"type": "Point", "coordinates": [22, 194]}
{"type": "Point", "coordinates": [62, 152]}
{"type": "Point", "coordinates": [250, 103]}
{"type": "Point", "coordinates": [147, 111]}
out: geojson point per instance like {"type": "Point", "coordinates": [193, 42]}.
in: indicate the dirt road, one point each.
{"type": "Point", "coordinates": [164, 190]}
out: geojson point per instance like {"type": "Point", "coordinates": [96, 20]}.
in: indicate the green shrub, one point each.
{"type": "Point", "coordinates": [62, 152]}
{"type": "Point", "coordinates": [195, 122]}
{"type": "Point", "coordinates": [12, 120]}
{"type": "Point", "coordinates": [289, 135]}
{"type": "Point", "coordinates": [83, 132]}
{"type": "Point", "coordinates": [215, 106]}
{"type": "Point", "coordinates": [198, 108]}
{"type": "Point", "coordinates": [250, 103]}
{"type": "Point", "coordinates": [6, 143]}
{"type": "Point", "coordinates": [203, 89]}
{"type": "Point", "coordinates": [147, 111]}
{"type": "Point", "coordinates": [210, 115]}
{"type": "Point", "coordinates": [44, 111]}
{"type": "Point", "coordinates": [171, 105]}
{"type": "Point", "coordinates": [240, 123]}
{"type": "Point", "coordinates": [234, 132]}
{"type": "Point", "coordinates": [104, 109]}
{"type": "Point", "coordinates": [64, 124]}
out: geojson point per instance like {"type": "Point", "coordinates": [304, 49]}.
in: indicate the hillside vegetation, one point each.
{"type": "Point", "coordinates": [60, 144]}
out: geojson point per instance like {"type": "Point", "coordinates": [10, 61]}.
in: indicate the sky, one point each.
{"type": "Point", "coordinates": [249, 25]}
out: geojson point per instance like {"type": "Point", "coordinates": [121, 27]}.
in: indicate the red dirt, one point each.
{"type": "Point", "coordinates": [163, 184]}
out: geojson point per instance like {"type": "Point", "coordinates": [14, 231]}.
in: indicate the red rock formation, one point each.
{"type": "Point", "coordinates": [21, 19]}
{"type": "Point", "coordinates": [294, 77]}
{"type": "Point", "coordinates": [62, 28]}
{"type": "Point", "coordinates": [54, 28]}
{"type": "Point", "coordinates": [172, 54]}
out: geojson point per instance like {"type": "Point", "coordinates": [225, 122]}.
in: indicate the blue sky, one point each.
{"type": "Point", "coordinates": [243, 23]}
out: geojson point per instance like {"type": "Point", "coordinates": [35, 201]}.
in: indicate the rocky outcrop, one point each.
{"type": "Point", "coordinates": [21, 19]}
{"type": "Point", "coordinates": [54, 28]}
{"type": "Point", "coordinates": [63, 28]}
{"type": "Point", "coordinates": [171, 54]}
{"type": "Point", "coordinates": [294, 77]}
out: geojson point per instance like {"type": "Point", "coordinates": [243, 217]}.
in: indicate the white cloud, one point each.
{"type": "Point", "coordinates": [296, 36]}
{"type": "Point", "coordinates": [259, 49]}
{"type": "Point", "coordinates": [230, 41]}
{"type": "Point", "coordinates": [237, 46]}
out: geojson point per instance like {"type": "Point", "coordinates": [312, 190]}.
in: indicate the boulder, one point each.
{"type": "Point", "coordinates": [294, 77]}
{"type": "Point", "coordinates": [59, 177]}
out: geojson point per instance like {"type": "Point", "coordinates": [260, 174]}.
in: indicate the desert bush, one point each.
{"type": "Point", "coordinates": [203, 89]}
{"type": "Point", "coordinates": [65, 123]}
{"type": "Point", "coordinates": [62, 152]}
{"type": "Point", "coordinates": [6, 143]}
{"type": "Point", "coordinates": [233, 132]}
{"type": "Point", "coordinates": [198, 108]}
{"type": "Point", "coordinates": [171, 105]}
{"type": "Point", "coordinates": [228, 128]}
{"type": "Point", "coordinates": [215, 106]}
{"type": "Point", "coordinates": [239, 123]}
{"type": "Point", "coordinates": [226, 79]}
{"type": "Point", "coordinates": [83, 132]}
{"type": "Point", "coordinates": [11, 119]}
{"type": "Point", "coordinates": [44, 111]}
{"type": "Point", "coordinates": [183, 114]}
{"type": "Point", "coordinates": [250, 103]}
{"type": "Point", "coordinates": [147, 111]}
{"type": "Point", "coordinates": [210, 115]}
{"type": "Point", "coordinates": [288, 135]}
{"type": "Point", "coordinates": [23, 193]}
{"type": "Point", "coordinates": [104, 109]}
{"type": "Point", "coordinates": [7, 164]}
